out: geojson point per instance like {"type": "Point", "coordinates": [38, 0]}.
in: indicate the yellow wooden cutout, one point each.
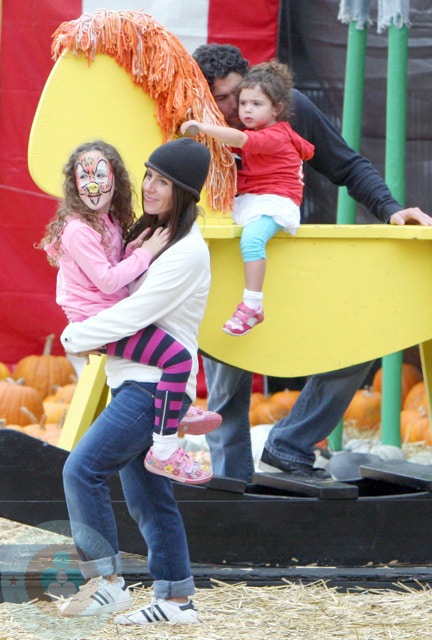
{"type": "Point", "coordinates": [334, 295]}
{"type": "Point", "coordinates": [89, 399]}
{"type": "Point", "coordinates": [82, 102]}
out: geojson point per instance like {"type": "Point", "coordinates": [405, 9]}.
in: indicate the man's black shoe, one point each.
{"type": "Point", "coordinates": [271, 464]}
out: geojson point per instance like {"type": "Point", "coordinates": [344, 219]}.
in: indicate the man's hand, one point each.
{"type": "Point", "coordinates": [413, 215]}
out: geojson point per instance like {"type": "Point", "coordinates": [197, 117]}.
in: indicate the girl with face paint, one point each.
{"type": "Point", "coordinates": [86, 242]}
{"type": "Point", "coordinates": [95, 180]}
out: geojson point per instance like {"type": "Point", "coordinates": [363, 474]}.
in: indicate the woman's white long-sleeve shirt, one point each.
{"type": "Point", "coordinates": [172, 294]}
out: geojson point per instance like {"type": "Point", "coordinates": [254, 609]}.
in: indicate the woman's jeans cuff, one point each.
{"type": "Point", "coordinates": [101, 567]}
{"type": "Point", "coordinates": [166, 589]}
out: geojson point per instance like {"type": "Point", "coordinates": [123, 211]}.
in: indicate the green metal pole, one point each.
{"type": "Point", "coordinates": [395, 178]}
{"type": "Point", "coordinates": [352, 115]}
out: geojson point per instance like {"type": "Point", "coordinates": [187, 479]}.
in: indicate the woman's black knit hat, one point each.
{"type": "Point", "coordinates": [184, 161]}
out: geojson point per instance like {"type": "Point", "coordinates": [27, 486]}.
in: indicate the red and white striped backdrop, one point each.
{"type": "Point", "coordinates": [28, 311]}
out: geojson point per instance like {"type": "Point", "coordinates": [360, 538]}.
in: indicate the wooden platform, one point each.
{"type": "Point", "coordinates": [324, 489]}
{"type": "Point", "coordinates": [231, 524]}
{"type": "Point", "coordinates": [400, 472]}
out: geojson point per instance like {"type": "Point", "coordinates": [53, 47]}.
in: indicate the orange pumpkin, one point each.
{"type": "Point", "coordinates": [52, 434]}
{"type": "Point", "coordinates": [62, 394]}
{"type": "Point", "coordinates": [364, 410]}
{"type": "Point", "coordinates": [55, 411]}
{"type": "Point", "coordinates": [44, 430]}
{"type": "Point", "coordinates": [271, 409]}
{"type": "Point", "coordinates": [285, 399]}
{"type": "Point", "coordinates": [407, 419]}
{"type": "Point", "coordinates": [266, 412]}
{"type": "Point", "coordinates": [411, 375]}
{"type": "Point", "coordinates": [4, 371]}
{"type": "Point", "coordinates": [256, 398]}
{"type": "Point", "coordinates": [417, 397]}
{"type": "Point", "coordinates": [421, 431]}
{"type": "Point", "coordinates": [19, 404]}
{"type": "Point", "coordinates": [45, 373]}
{"type": "Point", "coordinates": [415, 426]}
{"type": "Point", "coordinates": [35, 428]}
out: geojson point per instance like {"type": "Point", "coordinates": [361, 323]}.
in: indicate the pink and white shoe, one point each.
{"type": "Point", "coordinates": [243, 320]}
{"type": "Point", "coordinates": [180, 467]}
{"type": "Point", "coordinates": [197, 421]}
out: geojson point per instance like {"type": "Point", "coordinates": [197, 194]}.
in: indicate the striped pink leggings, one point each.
{"type": "Point", "coordinates": [155, 347]}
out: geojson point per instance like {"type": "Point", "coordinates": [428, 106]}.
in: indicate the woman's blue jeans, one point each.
{"type": "Point", "coordinates": [116, 443]}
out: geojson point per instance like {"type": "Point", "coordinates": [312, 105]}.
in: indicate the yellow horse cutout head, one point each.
{"type": "Point", "coordinates": [122, 77]}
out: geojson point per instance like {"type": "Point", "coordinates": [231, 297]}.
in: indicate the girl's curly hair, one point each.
{"type": "Point", "coordinates": [122, 203]}
{"type": "Point", "coordinates": [275, 80]}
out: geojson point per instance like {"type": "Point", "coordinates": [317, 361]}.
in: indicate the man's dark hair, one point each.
{"type": "Point", "coordinates": [219, 60]}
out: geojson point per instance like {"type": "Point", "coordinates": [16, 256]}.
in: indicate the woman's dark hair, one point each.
{"type": "Point", "coordinates": [179, 220]}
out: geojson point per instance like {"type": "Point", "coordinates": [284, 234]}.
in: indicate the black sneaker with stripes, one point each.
{"type": "Point", "coordinates": [160, 610]}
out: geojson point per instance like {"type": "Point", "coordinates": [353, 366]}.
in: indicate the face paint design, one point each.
{"type": "Point", "coordinates": [95, 181]}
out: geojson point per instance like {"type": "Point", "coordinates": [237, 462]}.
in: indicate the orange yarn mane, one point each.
{"type": "Point", "coordinates": [158, 62]}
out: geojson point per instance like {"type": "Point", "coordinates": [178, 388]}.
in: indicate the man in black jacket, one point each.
{"type": "Point", "coordinates": [325, 397]}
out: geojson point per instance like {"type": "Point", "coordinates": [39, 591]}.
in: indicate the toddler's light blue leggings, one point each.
{"type": "Point", "coordinates": [255, 236]}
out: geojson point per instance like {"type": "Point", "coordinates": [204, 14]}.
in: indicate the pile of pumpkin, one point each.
{"type": "Point", "coordinates": [35, 396]}
{"type": "Point", "coordinates": [364, 412]}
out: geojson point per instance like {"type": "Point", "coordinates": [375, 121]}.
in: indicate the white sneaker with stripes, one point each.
{"type": "Point", "coordinates": [160, 610]}
{"type": "Point", "coordinates": [97, 597]}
